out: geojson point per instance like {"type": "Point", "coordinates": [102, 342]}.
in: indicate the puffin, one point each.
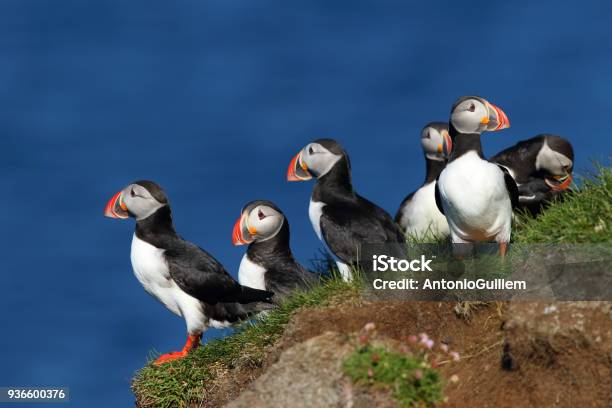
{"type": "Point", "coordinates": [341, 218]}
{"type": "Point", "coordinates": [476, 196]}
{"type": "Point", "coordinates": [268, 263]}
{"type": "Point", "coordinates": [185, 278]}
{"type": "Point", "coordinates": [542, 168]}
{"type": "Point", "coordinates": [418, 214]}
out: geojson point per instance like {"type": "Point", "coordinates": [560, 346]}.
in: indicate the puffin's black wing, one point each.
{"type": "Point", "coordinates": [511, 186]}
{"type": "Point", "coordinates": [345, 228]}
{"type": "Point", "coordinates": [393, 231]}
{"type": "Point", "coordinates": [283, 278]}
{"type": "Point", "coordinates": [534, 191]}
{"type": "Point", "coordinates": [438, 199]}
{"type": "Point", "coordinates": [203, 277]}
{"type": "Point", "coordinates": [234, 312]}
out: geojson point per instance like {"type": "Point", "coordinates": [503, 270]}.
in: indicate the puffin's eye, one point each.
{"type": "Point", "coordinates": [132, 193]}
{"type": "Point", "coordinates": [310, 150]}
{"type": "Point", "coordinates": [428, 135]}
{"type": "Point", "coordinates": [261, 215]}
{"type": "Point", "coordinates": [472, 107]}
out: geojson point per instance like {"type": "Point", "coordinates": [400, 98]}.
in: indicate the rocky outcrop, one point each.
{"type": "Point", "coordinates": [307, 375]}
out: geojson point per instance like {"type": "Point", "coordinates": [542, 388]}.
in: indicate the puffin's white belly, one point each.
{"type": "Point", "coordinates": [475, 200]}
{"type": "Point", "coordinates": [250, 274]}
{"type": "Point", "coordinates": [315, 210]}
{"type": "Point", "coordinates": [421, 217]}
{"type": "Point", "coordinates": [151, 270]}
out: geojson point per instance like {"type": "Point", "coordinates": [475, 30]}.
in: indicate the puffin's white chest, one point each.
{"type": "Point", "coordinates": [250, 274]}
{"type": "Point", "coordinates": [421, 217]}
{"type": "Point", "coordinates": [149, 265]}
{"type": "Point", "coordinates": [151, 270]}
{"type": "Point", "coordinates": [315, 209]}
{"type": "Point", "coordinates": [475, 200]}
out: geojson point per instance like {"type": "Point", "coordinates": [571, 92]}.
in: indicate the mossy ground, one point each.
{"type": "Point", "coordinates": [411, 381]}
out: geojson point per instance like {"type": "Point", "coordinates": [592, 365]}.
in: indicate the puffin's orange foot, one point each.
{"type": "Point", "coordinates": [168, 357]}
{"type": "Point", "coordinates": [193, 342]}
{"type": "Point", "coordinates": [503, 248]}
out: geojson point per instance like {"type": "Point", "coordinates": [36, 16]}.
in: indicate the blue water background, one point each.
{"type": "Point", "coordinates": [211, 99]}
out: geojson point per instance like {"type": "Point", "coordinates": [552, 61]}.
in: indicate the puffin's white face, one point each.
{"type": "Point", "coordinates": [557, 165]}
{"type": "Point", "coordinates": [313, 160]}
{"type": "Point", "coordinates": [135, 200]}
{"type": "Point", "coordinates": [436, 143]}
{"type": "Point", "coordinates": [257, 223]}
{"type": "Point", "coordinates": [476, 115]}
{"type": "Point", "coordinates": [139, 201]}
{"type": "Point", "coordinates": [553, 162]}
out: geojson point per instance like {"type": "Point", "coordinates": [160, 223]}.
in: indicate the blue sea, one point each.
{"type": "Point", "coordinates": [211, 99]}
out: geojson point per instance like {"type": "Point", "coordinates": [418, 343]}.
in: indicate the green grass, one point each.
{"type": "Point", "coordinates": [583, 217]}
{"type": "Point", "coordinates": [411, 381]}
{"type": "Point", "coordinates": [185, 381]}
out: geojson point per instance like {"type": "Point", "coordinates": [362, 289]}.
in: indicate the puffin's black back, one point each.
{"type": "Point", "coordinates": [534, 193]}
{"type": "Point", "coordinates": [521, 157]}
{"type": "Point", "coordinates": [283, 273]}
{"type": "Point", "coordinates": [194, 270]}
{"type": "Point", "coordinates": [234, 312]}
{"type": "Point", "coordinates": [349, 220]}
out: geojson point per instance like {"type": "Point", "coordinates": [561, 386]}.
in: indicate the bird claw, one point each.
{"type": "Point", "coordinates": [193, 342]}
{"type": "Point", "coordinates": [168, 357]}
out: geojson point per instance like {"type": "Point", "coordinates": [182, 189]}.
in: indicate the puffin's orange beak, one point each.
{"type": "Point", "coordinates": [497, 119]}
{"type": "Point", "coordinates": [448, 144]}
{"type": "Point", "coordinates": [297, 170]}
{"type": "Point", "coordinates": [237, 238]}
{"type": "Point", "coordinates": [116, 208]}
{"type": "Point", "coordinates": [242, 233]}
{"type": "Point", "coordinates": [563, 182]}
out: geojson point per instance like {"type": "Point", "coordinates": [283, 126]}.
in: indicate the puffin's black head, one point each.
{"type": "Point", "coordinates": [316, 159]}
{"type": "Point", "coordinates": [436, 141]}
{"type": "Point", "coordinates": [473, 114]}
{"type": "Point", "coordinates": [139, 200]}
{"type": "Point", "coordinates": [259, 221]}
{"type": "Point", "coordinates": [556, 160]}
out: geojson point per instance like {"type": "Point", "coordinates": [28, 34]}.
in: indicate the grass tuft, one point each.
{"type": "Point", "coordinates": [411, 381]}
{"type": "Point", "coordinates": [584, 216]}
